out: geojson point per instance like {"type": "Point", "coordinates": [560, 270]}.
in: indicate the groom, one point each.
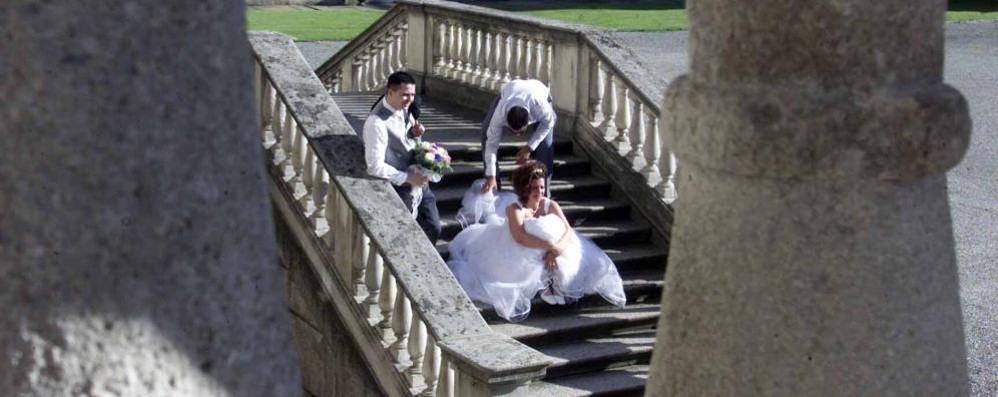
{"type": "Point", "coordinates": [521, 104]}
{"type": "Point", "coordinates": [390, 133]}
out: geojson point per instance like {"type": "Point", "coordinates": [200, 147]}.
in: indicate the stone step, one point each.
{"type": "Point", "coordinates": [467, 171]}
{"type": "Point", "coordinates": [601, 231]}
{"type": "Point", "coordinates": [627, 381]}
{"type": "Point", "coordinates": [556, 326]}
{"type": "Point", "coordinates": [468, 147]}
{"type": "Point", "coordinates": [642, 286]}
{"type": "Point", "coordinates": [577, 213]}
{"type": "Point", "coordinates": [625, 257]}
{"type": "Point", "coordinates": [571, 188]}
{"type": "Point", "coordinates": [599, 353]}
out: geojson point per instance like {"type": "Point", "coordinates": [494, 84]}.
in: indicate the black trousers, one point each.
{"type": "Point", "coordinates": [427, 214]}
{"type": "Point", "coordinates": [544, 152]}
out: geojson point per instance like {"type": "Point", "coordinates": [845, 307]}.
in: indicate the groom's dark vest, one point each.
{"type": "Point", "coordinates": [397, 154]}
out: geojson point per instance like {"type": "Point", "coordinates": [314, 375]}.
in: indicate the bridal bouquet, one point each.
{"type": "Point", "coordinates": [431, 160]}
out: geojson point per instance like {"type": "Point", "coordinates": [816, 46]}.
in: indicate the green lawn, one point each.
{"type": "Point", "coordinates": [624, 17]}
{"type": "Point", "coordinates": [344, 23]}
{"type": "Point", "coordinates": [340, 23]}
{"type": "Point", "coordinates": [968, 10]}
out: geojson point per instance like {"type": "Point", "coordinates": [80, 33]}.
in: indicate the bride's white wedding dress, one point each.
{"type": "Point", "coordinates": [494, 269]}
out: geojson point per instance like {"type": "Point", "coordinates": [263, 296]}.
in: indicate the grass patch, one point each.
{"type": "Point", "coordinates": [623, 17]}
{"type": "Point", "coordinates": [345, 23]}
{"type": "Point", "coordinates": [339, 23]}
{"type": "Point", "coordinates": [971, 10]}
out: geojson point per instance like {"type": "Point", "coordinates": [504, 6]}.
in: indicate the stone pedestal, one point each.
{"type": "Point", "coordinates": [812, 251]}
{"type": "Point", "coordinates": [137, 252]}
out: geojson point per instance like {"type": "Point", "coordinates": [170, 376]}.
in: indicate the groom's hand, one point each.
{"type": "Point", "coordinates": [416, 179]}
{"type": "Point", "coordinates": [490, 183]}
{"type": "Point", "coordinates": [523, 155]}
{"type": "Point", "coordinates": [417, 129]}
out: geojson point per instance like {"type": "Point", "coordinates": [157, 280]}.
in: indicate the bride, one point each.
{"type": "Point", "coordinates": [504, 261]}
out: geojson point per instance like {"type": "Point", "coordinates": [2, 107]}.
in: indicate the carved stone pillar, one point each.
{"type": "Point", "coordinates": [137, 251]}
{"type": "Point", "coordinates": [812, 251]}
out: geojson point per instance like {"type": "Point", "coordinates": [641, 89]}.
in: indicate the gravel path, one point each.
{"type": "Point", "coordinates": [972, 67]}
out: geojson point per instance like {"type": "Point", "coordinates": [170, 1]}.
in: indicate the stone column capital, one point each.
{"type": "Point", "coordinates": [796, 131]}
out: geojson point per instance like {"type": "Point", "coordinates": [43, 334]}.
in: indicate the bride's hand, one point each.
{"type": "Point", "coordinates": [551, 261]}
{"type": "Point", "coordinates": [556, 249]}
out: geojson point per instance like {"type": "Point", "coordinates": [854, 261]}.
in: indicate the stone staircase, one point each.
{"type": "Point", "coordinates": [597, 349]}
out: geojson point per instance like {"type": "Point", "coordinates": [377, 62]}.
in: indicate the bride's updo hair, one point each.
{"type": "Point", "coordinates": [525, 174]}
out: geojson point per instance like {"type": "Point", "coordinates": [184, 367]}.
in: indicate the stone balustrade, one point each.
{"type": "Point", "coordinates": [462, 47]}
{"type": "Point", "coordinates": [416, 328]}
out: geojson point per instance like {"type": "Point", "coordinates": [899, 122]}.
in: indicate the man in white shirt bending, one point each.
{"type": "Point", "coordinates": [389, 136]}
{"type": "Point", "coordinates": [522, 104]}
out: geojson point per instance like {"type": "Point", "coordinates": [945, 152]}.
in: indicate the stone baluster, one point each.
{"type": "Point", "coordinates": [343, 241]}
{"type": "Point", "coordinates": [445, 383]}
{"type": "Point", "coordinates": [486, 78]}
{"type": "Point", "coordinates": [357, 71]}
{"type": "Point", "coordinates": [330, 214]}
{"type": "Point", "coordinates": [458, 52]}
{"type": "Point", "coordinates": [417, 347]}
{"type": "Point", "coordinates": [481, 49]}
{"type": "Point", "coordinates": [474, 61]}
{"type": "Point", "coordinates": [529, 58]}
{"type": "Point", "coordinates": [401, 322]}
{"type": "Point", "coordinates": [321, 182]}
{"type": "Point", "coordinates": [264, 101]}
{"type": "Point", "coordinates": [548, 62]}
{"type": "Point", "coordinates": [365, 83]}
{"type": "Point", "coordinates": [372, 280]}
{"type": "Point", "coordinates": [388, 64]}
{"type": "Point", "coordinates": [507, 55]}
{"type": "Point", "coordinates": [653, 150]}
{"type": "Point", "coordinates": [596, 90]}
{"type": "Point", "coordinates": [609, 106]}
{"type": "Point", "coordinates": [361, 251]}
{"type": "Point", "coordinates": [469, 55]}
{"type": "Point", "coordinates": [448, 50]}
{"type": "Point", "coordinates": [400, 37]}
{"type": "Point", "coordinates": [365, 66]}
{"type": "Point", "coordinates": [623, 120]}
{"type": "Point", "coordinates": [638, 135]}
{"type": "Point", "coordinates": [374, 72]}
{"type": "Point", "coordinates": [278, 154]}
{"type": "Point", "coordinates": [537, 61]}
{"type": "Point", "coordinates": [518, 65]}
{"type": "Point", "coordinates": [308, 174]}
{"type": "Point", "coordinates": [431, 367]}
{"type": "Point", "coordinates": [267, 114]}
{"type": "Point", "coordinates": [386, 302]}
{"type": "Point", "coordinates": [288, 129]}
{"type": "Point", "coordinates": [337, 85]}
{"type": "Point", "coordinates": [667, 170]}
{"type": "Point", "coordinates": [299, 146]}
{"type": "Point", "coordinates": [441, 51]}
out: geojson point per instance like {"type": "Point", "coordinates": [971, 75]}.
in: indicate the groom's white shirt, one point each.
{"type": "Point", "coordinates": [531, 95]}
{"type": "Point", "coordinates": [376, 133]}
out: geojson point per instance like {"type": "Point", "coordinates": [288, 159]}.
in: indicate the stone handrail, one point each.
{"type": "Point", "coordinates": [416, 328]}
{"type": "Point", "coordinates": [484, 48]}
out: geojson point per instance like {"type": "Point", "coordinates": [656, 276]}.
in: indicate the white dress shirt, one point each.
{"type": "Point", "coordinates": [532, 95]}
{"type": "Point", "coordinates": [376, 133]}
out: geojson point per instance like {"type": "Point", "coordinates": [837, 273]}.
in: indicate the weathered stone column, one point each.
{"type": "Point", "coordinates": [813, 251]}
{"type": "Point", "coordinates": [137, 254]}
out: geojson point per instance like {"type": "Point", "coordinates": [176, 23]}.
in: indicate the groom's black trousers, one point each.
{"type": "Point", "coordinates": [427, 215]}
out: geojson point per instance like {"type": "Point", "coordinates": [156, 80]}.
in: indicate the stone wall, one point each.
{"type": "Point", "coordinates": [330, 363]}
